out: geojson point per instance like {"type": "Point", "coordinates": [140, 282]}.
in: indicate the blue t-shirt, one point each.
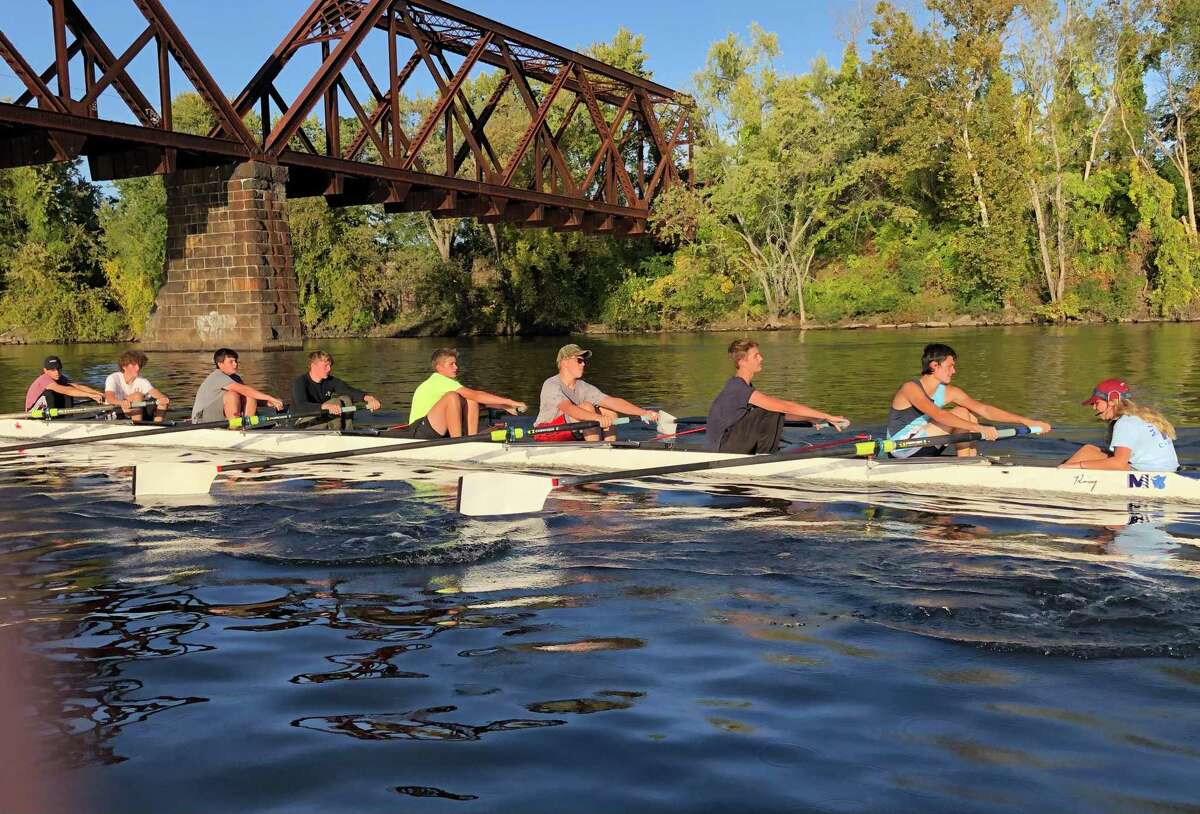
{"type": "Point", "coordinates": [1152, 451]}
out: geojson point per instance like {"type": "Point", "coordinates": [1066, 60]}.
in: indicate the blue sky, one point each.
{"type": "Point", "coordinates": [234, 36]}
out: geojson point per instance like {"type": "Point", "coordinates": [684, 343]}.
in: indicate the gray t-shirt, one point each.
{"type": "Point", "coordinates": [210, 398]}
{"type": "Point", "coordinates": [553, 393]}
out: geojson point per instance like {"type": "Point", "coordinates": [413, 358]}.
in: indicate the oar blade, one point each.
{"type": "Point", "coordinates": [172, 479]}
{"type": "Point", "coordinates": [491, 494]}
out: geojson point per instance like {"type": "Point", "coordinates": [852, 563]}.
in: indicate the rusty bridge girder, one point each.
{"type": "Point", "coordinates": [596, 144]}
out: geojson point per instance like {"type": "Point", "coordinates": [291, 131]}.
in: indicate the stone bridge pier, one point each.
{"type": "Point", "coordinates": [230, 280]}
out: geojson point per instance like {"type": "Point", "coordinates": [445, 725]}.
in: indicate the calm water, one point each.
{"type": "Point", "coordinates": [344, 642]}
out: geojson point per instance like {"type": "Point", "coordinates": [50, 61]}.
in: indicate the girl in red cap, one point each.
{"type": "Point", "coordinates": [1140, 437]}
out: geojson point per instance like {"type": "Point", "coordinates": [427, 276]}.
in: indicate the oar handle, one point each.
{"type": "Point", "coordinates": [502, 435]}
{"type": "Point", "coordinates": [240, 423]}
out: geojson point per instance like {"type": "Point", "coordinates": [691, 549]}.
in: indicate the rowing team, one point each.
{"type": "Point", "coordinates": [741, 419]}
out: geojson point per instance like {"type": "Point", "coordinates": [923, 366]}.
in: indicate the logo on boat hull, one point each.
{"type": "Point", "coordinates": [1147, 481]}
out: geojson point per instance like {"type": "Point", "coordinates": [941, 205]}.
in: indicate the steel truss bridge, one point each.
{"type": "Point", "coordinates": [351, 133]}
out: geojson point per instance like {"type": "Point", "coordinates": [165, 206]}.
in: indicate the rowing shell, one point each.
{"type": "Point", "coordinates": [937, 477]}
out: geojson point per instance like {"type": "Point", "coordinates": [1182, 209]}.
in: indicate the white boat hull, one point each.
{"type": "Point", "coordinates": [929, 476]}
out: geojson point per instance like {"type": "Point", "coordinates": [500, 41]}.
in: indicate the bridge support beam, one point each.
{"type": "Point", "coordinates": [230, 280]}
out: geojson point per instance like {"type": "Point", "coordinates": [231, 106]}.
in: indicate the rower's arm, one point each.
{"type": "Point", "coordinates": [793, 409]}
{"type": "Point", "coordinates": [77, 391]}
{"type": "Point", "coordinates": [249, 392]}
{"type": "Point", "coordinates": [620, 405]}
{"type": "Point", "coordinates": [158, 396]}
{"type": "Point", "coordinates": [990, 411]}
{"type": "Point", "coordinates": [917, 398]}
{"type": "Point", "coordinates": [570, 410]}
{"type": "Point", "coordinates": [490, 399]}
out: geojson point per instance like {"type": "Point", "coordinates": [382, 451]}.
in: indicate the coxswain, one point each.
{"type": "Point", "coordinates": [1140, 438]}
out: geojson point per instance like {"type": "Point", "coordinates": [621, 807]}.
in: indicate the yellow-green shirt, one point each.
{"type": "Point", "coordinates": [428, 393]}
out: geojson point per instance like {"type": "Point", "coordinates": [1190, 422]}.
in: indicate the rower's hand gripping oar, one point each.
{"type": "Point", "coordinates": [173, 479]}
{"type": "Point", "coordinates": [240, 423]}
{"type": "Point", "coordinates": [483, 494]}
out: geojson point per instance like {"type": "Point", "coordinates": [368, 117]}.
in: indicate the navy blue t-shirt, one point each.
{"type": "Point", "coordinates": [728, 408]}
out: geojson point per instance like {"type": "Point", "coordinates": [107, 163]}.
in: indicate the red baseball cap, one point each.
{"type": "Point", "coordinates": [1108, 390]}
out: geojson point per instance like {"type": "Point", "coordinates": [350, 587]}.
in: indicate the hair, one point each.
{"type": "Point", "coordinates": [132, 357]}
{"type": "Point", "coordinates": [1148, 414]}
{"type": "Point", "coordinates": [739, 348]}
{"type": "Point", "coordinates": [935, 352]}
{"type": "Point", "coordinates": [442, 353]}
{"type": "Point", "coordinates": [320, 356]}
{"type": "Point", "coordinates": [222, 354]}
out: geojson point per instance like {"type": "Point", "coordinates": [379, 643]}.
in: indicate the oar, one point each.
{"type": "Point", "coordinates": [703, 419]}
{"type": "Point", "coordinates": [482, 494]}
{"type": "Point", "coordinates": [162, 479]}
{"type": "Point", "coordinates": [240, 423]}
{"type": "Point", "coordinates": [46, 413]}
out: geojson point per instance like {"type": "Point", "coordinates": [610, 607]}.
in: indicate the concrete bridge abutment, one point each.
{"type": "Point", "coordinates": [230, 281]}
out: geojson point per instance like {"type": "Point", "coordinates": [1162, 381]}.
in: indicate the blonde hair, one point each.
{"type": "Point", "coordinates": [1148, 414]}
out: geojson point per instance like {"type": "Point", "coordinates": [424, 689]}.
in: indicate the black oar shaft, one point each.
{"type": "Point", "coordinates": [861, 447]}
{"type": "Point", "coordinates": [412, 446]}
{"type": "Point", "coordinates": [867, 448]}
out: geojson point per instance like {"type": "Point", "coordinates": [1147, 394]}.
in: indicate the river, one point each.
{"type": "Point", "coordinates": [344, 642]}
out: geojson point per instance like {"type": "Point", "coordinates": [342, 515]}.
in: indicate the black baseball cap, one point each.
{"type": "Point", "coordinates": [52, 363]}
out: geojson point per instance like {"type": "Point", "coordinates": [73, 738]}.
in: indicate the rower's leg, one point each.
{"type": "Point", "coordinates": [961, 450]}
{"type": "Point", "coordinates": [1087, 452]}
{"type": "Point", "coordinates": [233, 405]}
{"type": "Point", "coordinates": [470, 415]}
{"type": "Point", "coordinates": [590, 435]}
{"type": "Point", "coordinates": [446, 417]}
{"type": "Point", "coordinates": [611, 435]}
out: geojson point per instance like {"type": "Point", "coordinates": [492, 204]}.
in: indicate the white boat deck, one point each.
{"type": "Point", "coordinates": [936, 477]}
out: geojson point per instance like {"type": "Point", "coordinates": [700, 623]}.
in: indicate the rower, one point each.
{"type": "Point", "coordinates": [566, 397]}
{"type": "Point", "coordinates": [54, 389]}
{"type": "Point", "coordinates": [224, 395]}
{"type": "Point", "coordinates": [1140, 437]}
{"type": "Point", "coordinates": [319, 386]}
{"type": "Point", "coordinates": [442, 407]}
{"type": "Point", "coordinates": [127, 386]}
{"type": "Point", "coordinates": [748, 421]}
{"type": "Point", "coordinates": [919, 408]}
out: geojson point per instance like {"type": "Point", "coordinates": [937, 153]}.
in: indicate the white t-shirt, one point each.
{"type": "Point", "coordinates": [116, 383]}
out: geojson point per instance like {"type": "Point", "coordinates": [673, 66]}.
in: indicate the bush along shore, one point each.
{"type": "Point", "coordinates": [997, 163]}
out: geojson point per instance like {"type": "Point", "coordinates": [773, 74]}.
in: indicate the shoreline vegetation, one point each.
{"type": "Point", "coordinates": [1003, 163]}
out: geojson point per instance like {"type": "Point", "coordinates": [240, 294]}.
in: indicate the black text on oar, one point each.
{"type": "Point", "coordinates": [484, 494]}
{"type": "Point", "coordinates": [174, 479]}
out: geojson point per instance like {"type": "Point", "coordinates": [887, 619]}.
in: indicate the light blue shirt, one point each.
{"type": "Point", "coordinates": [1152, 451]}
